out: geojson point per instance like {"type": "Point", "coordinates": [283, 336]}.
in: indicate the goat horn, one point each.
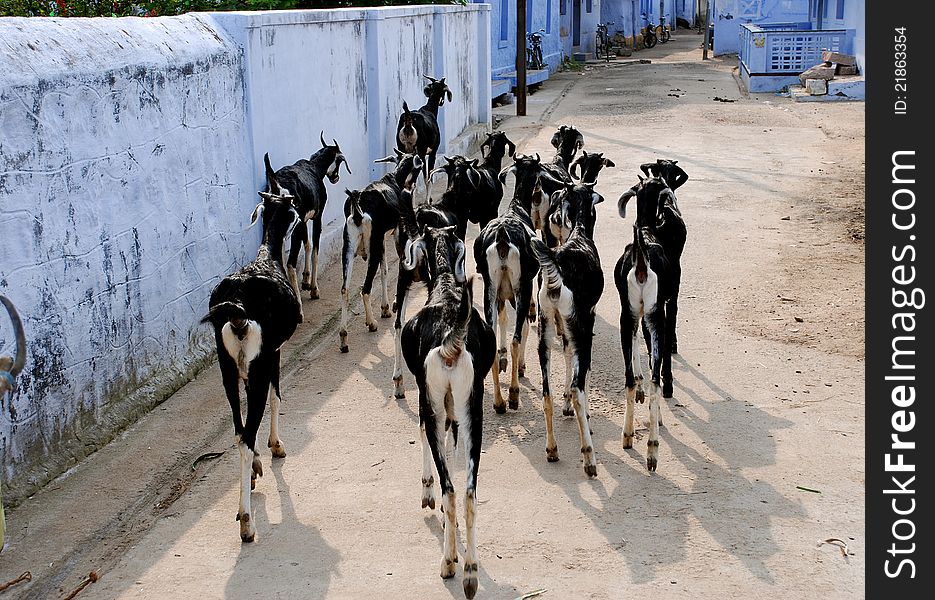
{"type": "Point", "coordinates": [270, 175]}
{"type": "Point", "coordinates": [506, 171]}
{"type": "Point", "coordinates": [322, 137]}
{"type": "Point", "coordinates": [432, 79]}
{"type": "Point", "coordinates": [575, 165]}
{"type": "Point", "coordinates": [20, 361]}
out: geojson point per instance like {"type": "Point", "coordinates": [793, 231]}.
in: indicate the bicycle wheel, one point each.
{"type": "Point", "coordinates": [540, 63]}
{"type": "Point", "coordinates": [649, 40]}
{"type": "Point", "coordinates": [598, 45]}
{"type": "Point", "coordinates": [665, 35]}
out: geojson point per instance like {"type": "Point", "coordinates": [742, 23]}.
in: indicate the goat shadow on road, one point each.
{"type": "Point", "coordinates": [646, 516]}
{"type": "Point", "coordinates": [305, 561]}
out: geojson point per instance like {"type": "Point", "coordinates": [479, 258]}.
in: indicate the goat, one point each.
{"type": "Point", "coordinates": [505, 261]}
{"type": "Point", "coordinates": [489, 193]}
{"type": "Point", "coordinates": [590, 165]}
{"type": "Point", "coordinates": [528, 190]}
{"type": "Point", "coordinates": [254, 312]}
{"type": "Point", "coordinates": [12, 366]}
{"type": "Point", "coordinates": [644, 282]}
{"type": "Point", "coordinates": [671, 233]}
{"type": "Point", "coordinates": [566, 141]}
{"type": "Point", "coordinates": [305, 181]}
{"type": "Point", "coordinates": [371, 214]}
{"type": "Point", "coordinates": [572, 284]}
{"type": "Point", "coordinates": [449, 349]}
{"type": "Point", "coordinates": [426, 136]}
{"type": "Point", "coordinates": [412, 265]}
{"type": "Point", "coordinates": [562, 214]}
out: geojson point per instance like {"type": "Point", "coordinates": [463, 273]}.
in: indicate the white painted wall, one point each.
{"type": "Point", "coordinates": [130, 156]}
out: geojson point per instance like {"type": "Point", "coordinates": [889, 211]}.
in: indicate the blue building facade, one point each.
{"type": "Point", "coordinates": [630, 17]}
{"type": "Point", "coordinates": [568, 27]}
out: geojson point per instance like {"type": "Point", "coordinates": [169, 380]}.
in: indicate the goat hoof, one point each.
{"type": "Point", "coordinates": [640, 396]}
{"type": "Point", "coordinates": [499, 408]}
{"type": "Point", "coordinates": [313, 294]}
{"type": "Point", "coordinates": [385, 312]}
{"type": "Point", "coordinates": [551, 454]}
{"type": "Point", "coordinates": [627, 441]}
{"type": "Point", "coordinates": [470, 581]}
{"type": "Point", "coordinates": [514, 398]}
{"type": "Point", "coordinates": [650, 463]}
{"type": "Point", "coordinates": [306, 285]}
{"type": "Point", "coordinates": [448, 568]}
{"type": "Point", "coordinates": [429, 503]}
{"type": "Point", "coordinates": [371, 327]}
{"type": "Point", "coordinates": [590, 470]}
{"type": "Point", "coordinates": [666, 390]}
{"type": "Point", "coordinates": [568, 412]}
{"type": "Point", "coordinates": [521, 371]}
{"type": "Point", "coordinates": [502, 364]}
{"type": "Point", "coordinates": [345, 349]}
{"type": "Point", "coordinates": [278, 450]}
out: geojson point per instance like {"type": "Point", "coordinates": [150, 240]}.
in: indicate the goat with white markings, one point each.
{"type": "Point", "coordinates": [372, 214]}
{"type": "Point", "coordinates": [449, 348]}
{"type": "Point", "coordinates": [644, 282]}
{"type": "Point", "coordinates": [418, 129]}
{"type": "Point", "coordinates": [489, 193]}
{"type": "Point", "coordinates": [590, 166]}
{"type": "Point", "coordinates": [572, 284]}
{"type": "Point", "coordinates": [672, 233]}
{"type": "Point", "coordinates": [305, 181]}
{"type": "Point", "coordinates": [254, 312]}
{"type": "Point", "coordinates": [450, 210]}
{"type": "Point", "coordinates": [504, 259]}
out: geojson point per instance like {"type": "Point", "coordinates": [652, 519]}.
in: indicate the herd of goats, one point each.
{"type": "Point", "coordinates": [546, 232]}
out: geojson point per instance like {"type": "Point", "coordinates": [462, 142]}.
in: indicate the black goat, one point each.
{"type": "Point", "coordinates": [572, 284]}
{"type": "Point", "coordinates": [305, 181]}
{"type": "Point", "coordinates": [11, 367]}
{"type": "Point", "coordinates": [371, 214]}
{"type": "Point", "coordinates": [563, 214]}
{"type": "Point", "coordinates": [566, 141]}
{"type": "Point", "coordinates": [504, 259]}
{"type": "Point", "coordinates": [486, 203]}
{"type": "Point", "coordinates": [590, 165]}
{"type": "Point", "coordinates": [254, 312]}
{"type": "Point", "coordinates": [672, 234]}
{"type": "Point", "coordinates": [426, 136]}
{"type": "Point", "coordinates": [528, 189]}
{"type": "Point", "coordinates": [449, 349]}
{"type": "Point", "coordinates": [644, 282]}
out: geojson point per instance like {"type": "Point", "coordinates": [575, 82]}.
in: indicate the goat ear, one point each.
{"type": "Point", "coordinates": [459, 262]}
{"type": "Point", "coordinates": [556, 138]}
{"type": "Point", "coordinates": [538, 160]}
{"type": "Point", "coordinates": [596, 198]}
{"type": "Point", "coordinates": [579, 141]}
{"type": "Point", "coordinates": [448, 93]}
{"type": "Point", "coordinates": [270, 175]}
{"type": "Point", "coordinates": [574, 166]}
{"type": "Point", "coordinates": [609, 163]}
{"type": "Point", "coordinates": [321, 136]}
{"type": "Point", "coordinates": [391, 159]}
{"type": "Point", "coordinates": [511, 146]}
{"type": "Point", "coordinates": [641, 178]}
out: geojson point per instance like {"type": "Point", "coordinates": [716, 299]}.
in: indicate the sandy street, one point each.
{"type": "Point", "coordinates": [769, 399]}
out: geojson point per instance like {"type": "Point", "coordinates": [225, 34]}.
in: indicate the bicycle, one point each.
{"type": "Point", "coordinates": [602, 41]}
{"type": "Point", "coordinates": [649, 38]}
{"type": "Point", "coordinates": [534, 58]}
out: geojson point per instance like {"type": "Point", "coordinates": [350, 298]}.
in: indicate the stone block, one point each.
{"type": "Point", "coordinates": [835, 57]}
{"type": "Point", "coordinates": [817, 72]}
{"type": "Point", "coordinates": [816, 87]}
{"type": "Point", "coordinates": [846, 69]}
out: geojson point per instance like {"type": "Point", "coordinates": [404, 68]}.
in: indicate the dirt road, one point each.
{"type": "Point", "coordinates": [768, 400]}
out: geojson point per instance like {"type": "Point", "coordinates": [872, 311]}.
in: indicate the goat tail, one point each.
{"type": "Point", "coordinates": [453, 343]}
{"type": "Point", "coordinates": [551, 277]}
{"type": "Point", "coordinates": [227, 312]}
{"type": "Point", "coordinates": [639, 248]}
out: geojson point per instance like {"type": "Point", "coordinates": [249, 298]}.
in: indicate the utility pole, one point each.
{"type": "Point", "coordinates": [520, 58]}
{"type": "Point", "coordinates": [707, 32]}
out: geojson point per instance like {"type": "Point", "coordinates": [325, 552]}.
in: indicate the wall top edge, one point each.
{"type": "Point", "coordinates": [332, 15]}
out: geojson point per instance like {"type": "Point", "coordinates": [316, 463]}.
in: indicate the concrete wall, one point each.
{"type": "Point", "coordinates": [123, 198]}
{"type": "Point", "coordinates": [728, 15]}
{"type": "Point", "coordinates": [130, 156]}
{"type": "Point", "coordinates": [855, 18]}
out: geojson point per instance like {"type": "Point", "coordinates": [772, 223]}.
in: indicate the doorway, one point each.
{"type": "Point", "coordinates": [576, 23]}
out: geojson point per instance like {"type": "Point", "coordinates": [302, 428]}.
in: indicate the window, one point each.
{"type": "Point", "coordinates": [548, 16]}
{"type": "Point", "coordinates": [504, 20]}
{"type": "Point", "coordinates": [589, 6]}
{"type": "Point", "coordinates": [840, 9]}
{"type": "Point", "coordinates": [563, 7]}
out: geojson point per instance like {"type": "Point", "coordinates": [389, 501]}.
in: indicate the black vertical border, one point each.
{"type": "Point", "coordinates": [886, 133]}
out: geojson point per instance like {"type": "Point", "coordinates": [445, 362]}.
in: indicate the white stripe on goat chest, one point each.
{"type": "Point", "coordinates": [642, 296]}
{"type": "Point", "coordinates": [243, 351]}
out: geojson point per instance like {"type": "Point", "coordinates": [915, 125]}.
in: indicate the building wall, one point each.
{"type": "Point", "coordinates": [130, 156]}
{"type": "Point", "coordinates": [540, 14]}
{"type": "Point", "coordinates": [855, 18]}
{"type": "Point", "coordinates": [728, 15]}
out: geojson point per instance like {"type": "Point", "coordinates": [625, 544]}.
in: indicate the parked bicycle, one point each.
{"type": "Point", "coordinates": [602, 41]}
{"type": "Point", "coordinates": [664, 34]}
{"type": "Point", "coordinates": [534, 58]}
{"type": "Point", "coordinates": [651, 37]}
